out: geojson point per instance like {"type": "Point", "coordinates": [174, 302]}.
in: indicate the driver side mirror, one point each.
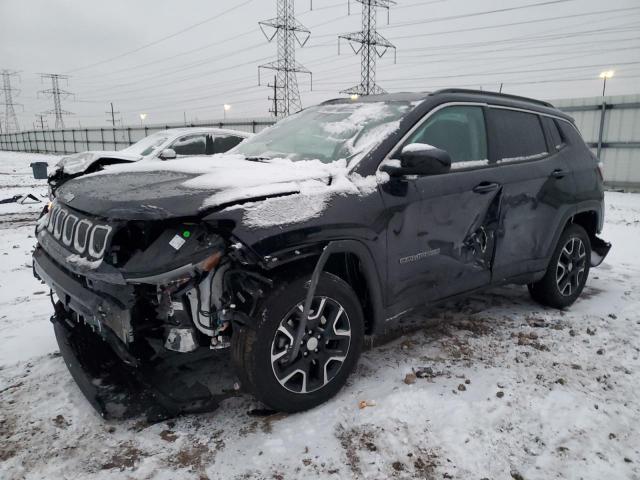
{"type": "Point", "coordinates": [168, 154]}
{"type": "Point", "coordinates": [420, 159]}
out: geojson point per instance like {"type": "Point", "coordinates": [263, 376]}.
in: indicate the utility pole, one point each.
{"type": "Point", "coordinates": [372, 46]}
{"type": "Point", "coordinates": [57, 94]}
{"type": "Point", "coordinates": [10, 118]}
{"type": "Point", "coordinates": [41, 121]}
{"type": "Point", "coordinates": [112, 115]}
{"type": "Point", "coordinates": [274, 110]}
{"type": "Point", "coordinates": [288, 31]}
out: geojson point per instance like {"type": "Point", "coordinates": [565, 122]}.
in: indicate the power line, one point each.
{"type": "Point", "coordinates": [57, 94]}
{"type": "Point", "coordinates": [10, 119]}
{"type": "Point", "coordinates": [372, 46]}
{"type": "Point", "coordinates": [530, 38]}
{"type": "Point", "coordinates": [187, 52]}
{"type": "Point", "coordinates": [155, 42]}
{"type": "Point", "coordinates": [476, 14]}
{"type": "Point", "coordinates": [512, 24]}
{"type": "Point", "coordinates": [288, 32]}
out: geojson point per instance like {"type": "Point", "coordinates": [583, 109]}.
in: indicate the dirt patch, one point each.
{"type": "Point", "coordinates": [477, 326]}
{"type": "Point", "coordinates": [192, 457]}
{"type": "Point", "coordinates": [126, 458]}
{"type": "Point", "coordinates": [7, 431]}
{"type": "Point", "coordinates": [353, 441]}
{"type": "Point", "coordinates": [196, 454]}
{"type": "Point", "coordinates": [267, 422]}
{"type": "Point", "coordinates": [168, 436]}
{"type": "Point", "coordinates": [590, 292]}
{"type": "Point", "coordinates": [360, 449]}
{"type": "Point", "coordinates": [530, 339]}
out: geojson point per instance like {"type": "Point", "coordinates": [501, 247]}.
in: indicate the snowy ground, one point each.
{"type": "Point", "coordinates": [506, 389]}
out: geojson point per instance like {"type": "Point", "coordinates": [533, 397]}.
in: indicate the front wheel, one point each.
{"type": "Point", "coordinates": [567, 273]}
{"type": "Point", "coordinates": [329, 349]}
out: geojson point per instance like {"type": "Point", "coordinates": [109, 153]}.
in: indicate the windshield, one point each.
{"type": "Point", "coordinates": [327, 132]}
{"type": "Point", "coordinates": [148, 144]}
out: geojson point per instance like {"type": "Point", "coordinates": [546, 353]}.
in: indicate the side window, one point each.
{"type": "Point", "coordinates": [518, 135]}
{"type": "Point", "coordinates": [225, 143]}
{"type": "Point", "coordinates": [555, 139]}
{"type": "Point", "coordinates": [191, 145]}
{"type": "Point", "coordinates": [460, 131]}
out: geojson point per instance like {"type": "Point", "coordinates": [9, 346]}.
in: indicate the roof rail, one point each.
{"type": "Point", "coordinates": [494, 94]}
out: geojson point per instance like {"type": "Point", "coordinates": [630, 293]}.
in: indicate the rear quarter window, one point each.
{"type": "Point", "coordinates": [570, 134]}
{"type": "Point", "coordinates": [517, 136]}
{"type": "Point", "coordinates": [555, 138]}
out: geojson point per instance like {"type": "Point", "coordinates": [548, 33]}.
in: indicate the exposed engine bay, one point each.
{"type": "Point", "coordinates": [147, 290]}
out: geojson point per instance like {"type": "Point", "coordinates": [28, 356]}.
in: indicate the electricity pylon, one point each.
{"type": "Point", "coordinates": [57, 94]}
{"type": "Point", "coordinates": [372, 46]}
{"type": "Point", "coordinates": [10, 118]}
{"type": "Point", "coordinates": [288, 32]}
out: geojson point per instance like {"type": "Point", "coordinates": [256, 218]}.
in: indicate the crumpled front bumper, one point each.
{"type": "Point", "coordinates": [116, 382]}
{"type": "Point", "coordinates": [167, 387]}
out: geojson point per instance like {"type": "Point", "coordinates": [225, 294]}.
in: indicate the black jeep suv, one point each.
{"type": "Point", "coordinates": [284, 253]}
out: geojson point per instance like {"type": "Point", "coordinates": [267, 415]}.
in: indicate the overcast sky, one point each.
{"type": "Point", "coordinates": [547, 49]}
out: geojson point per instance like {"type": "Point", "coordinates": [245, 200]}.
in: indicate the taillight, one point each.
{"type": "Point", "coordinates": [601, 170]}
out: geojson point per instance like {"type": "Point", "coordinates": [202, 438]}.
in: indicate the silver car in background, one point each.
{"type": "Point", "coordinates": [167, 144]}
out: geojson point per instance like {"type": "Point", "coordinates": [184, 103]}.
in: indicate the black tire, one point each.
{"type": "Point", "coordinates": [253, 348]}
{"type": "Point", "coordinates": [567, 272]}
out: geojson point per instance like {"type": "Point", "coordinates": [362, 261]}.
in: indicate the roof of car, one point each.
{"type": "Point", "coordinates": [460, 94]}
{"type": "Point", "coordinates": [219, 131]}
{"type": "Point", "coordinates": [385, 97]}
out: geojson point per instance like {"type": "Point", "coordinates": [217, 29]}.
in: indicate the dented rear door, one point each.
{"type": "Point", "coordinates": [538, 191]}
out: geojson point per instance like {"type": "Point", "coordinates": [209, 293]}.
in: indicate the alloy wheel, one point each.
{"type": "Point", "coordinates": [323, 349]}
{"type": "Point", "coordinates": [571, 266]}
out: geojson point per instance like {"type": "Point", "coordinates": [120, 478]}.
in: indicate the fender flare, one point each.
{"type": "Point", "coordinates": [591, 206]}
{"type": "Point", "coordinates": [371, 275]}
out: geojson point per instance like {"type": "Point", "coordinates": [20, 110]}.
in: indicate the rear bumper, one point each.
{"type": "Point", "coordinates": [599, 250]}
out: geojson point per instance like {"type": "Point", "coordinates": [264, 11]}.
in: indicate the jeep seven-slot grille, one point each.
{"type": "Point", "coordinates": [77, 233]}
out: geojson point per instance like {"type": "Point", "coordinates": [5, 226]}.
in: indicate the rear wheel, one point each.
{"type": "Point", "coordinates": [329, 348]}
{"type": "Point", "coordinates": [567, 273]}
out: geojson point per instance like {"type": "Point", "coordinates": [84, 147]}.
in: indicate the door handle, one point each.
{"type": "Point", "coordinates": [485, 187]}
{"type": "Point", "coordinates": [558, 173]}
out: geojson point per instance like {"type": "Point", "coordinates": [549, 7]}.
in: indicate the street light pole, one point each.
{"type": "Point", "coordinates": [604, 76]}
{"type": "Point", "coordinates": [225, 108]}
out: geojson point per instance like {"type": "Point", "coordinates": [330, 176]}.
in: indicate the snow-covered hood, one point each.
{"type": "Point", "coordinates": [157, 189]}
{"type": "Point", "coordinates": [79, 162]}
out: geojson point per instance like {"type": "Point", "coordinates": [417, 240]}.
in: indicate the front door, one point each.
{"type": "Point", "coordinates": [441, 229]}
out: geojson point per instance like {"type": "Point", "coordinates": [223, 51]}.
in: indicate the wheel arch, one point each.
{"type": "Point", "coordinates": [588, 216]}
{"type": "Point", "coordinates": [351, 261]}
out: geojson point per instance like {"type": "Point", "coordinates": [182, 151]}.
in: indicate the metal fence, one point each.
{"type": "Point", "coordinates": [73, 140]}
{"type": "Point", "coordinates": [611, 127]}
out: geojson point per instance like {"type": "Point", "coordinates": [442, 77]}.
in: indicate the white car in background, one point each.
{"type": "Point", "coordinates": [167, 144]}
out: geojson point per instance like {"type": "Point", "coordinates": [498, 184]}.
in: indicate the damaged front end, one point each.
{"type": "Point", "coordinates": [144, 309]}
